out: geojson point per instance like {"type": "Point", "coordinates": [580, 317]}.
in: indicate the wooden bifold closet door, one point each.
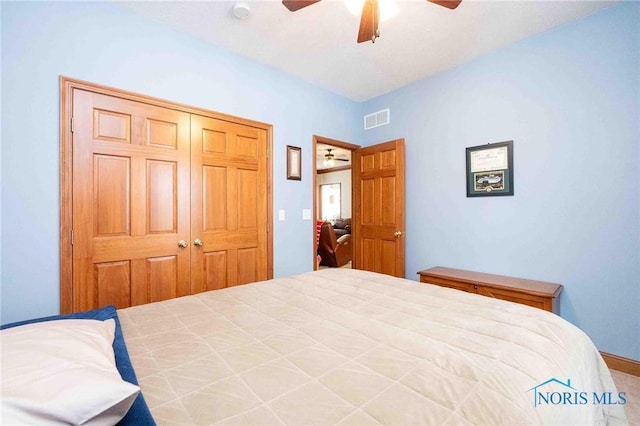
{"type": "Point", "coordinates": [165, 201]}
{"type": "Point", "coordinates": [228, 204]}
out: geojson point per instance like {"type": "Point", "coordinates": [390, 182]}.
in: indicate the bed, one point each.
{"type": "Point", "coordinates": [349, 347]}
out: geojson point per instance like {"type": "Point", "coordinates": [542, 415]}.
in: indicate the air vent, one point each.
{"type": "Point", "coordinates": [377, 119]}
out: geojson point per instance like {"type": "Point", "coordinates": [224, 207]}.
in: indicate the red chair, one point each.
{"type": "Point", "coordinates": [334, 252]}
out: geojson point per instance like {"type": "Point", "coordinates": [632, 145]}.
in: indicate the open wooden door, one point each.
{"type": "Point", "coordinates": [378, 208]}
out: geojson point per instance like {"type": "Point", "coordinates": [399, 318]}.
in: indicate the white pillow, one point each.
{"type": "Point", "coordinates": [62, 372]}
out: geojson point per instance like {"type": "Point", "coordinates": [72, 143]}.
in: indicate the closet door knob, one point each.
{"type": "Point", "coordinates": [198, 242]}
{"type": "Point", "coordinates": [182, 244]}
{"type": "Point", "coordinates": [397, 234]}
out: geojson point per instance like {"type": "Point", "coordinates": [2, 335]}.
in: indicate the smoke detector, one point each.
{"type": "Point", "coordinates": [241, 11]}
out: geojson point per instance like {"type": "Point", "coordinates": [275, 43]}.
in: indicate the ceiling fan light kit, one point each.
{"type": "Point", "coordinates": [370, 16]}
{"type": "Point", "coordinates": [330, 158]}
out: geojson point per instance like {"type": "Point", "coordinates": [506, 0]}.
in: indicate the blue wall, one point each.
{"type": "Point", "coordinates": [109, 45]}
{"type": "Point", "coordinates": [569, 99]}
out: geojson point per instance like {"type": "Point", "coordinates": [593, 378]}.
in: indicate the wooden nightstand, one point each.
{"type": "Point", "coordinates": [539, 294]}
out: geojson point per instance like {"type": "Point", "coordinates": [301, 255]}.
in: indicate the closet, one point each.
{"type": "Point", "coordinates": [158, 200]}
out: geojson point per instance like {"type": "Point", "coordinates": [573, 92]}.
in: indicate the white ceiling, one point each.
{"type": "Point", "coordinates": [318, 43]}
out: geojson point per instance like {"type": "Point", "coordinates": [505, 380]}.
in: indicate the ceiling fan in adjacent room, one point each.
{"type": "Point", "coordinates": [330, 158]}
{"type": "Point", "coordinates": [370, 17]}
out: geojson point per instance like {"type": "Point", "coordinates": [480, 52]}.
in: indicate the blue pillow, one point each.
{"type": "Point", "coordinates": [139, 413]}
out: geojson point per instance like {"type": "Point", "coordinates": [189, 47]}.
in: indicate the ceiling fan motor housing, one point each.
{"type": "Point", "coordinates": [370, 17]}
{"type": "Point", "coordinates": [330, 156]}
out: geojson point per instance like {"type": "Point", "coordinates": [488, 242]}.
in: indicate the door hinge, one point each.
{"type": "Point", "coordinates": [72, 237]}
{"type": "Point", "coordinates": [71, 124]}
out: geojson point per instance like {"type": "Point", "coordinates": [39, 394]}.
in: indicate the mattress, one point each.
{"type": "Point", "coordinates": [342, 346]}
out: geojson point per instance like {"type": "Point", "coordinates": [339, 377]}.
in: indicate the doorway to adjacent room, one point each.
{"type": "Point", "coordinates": [333, 195]}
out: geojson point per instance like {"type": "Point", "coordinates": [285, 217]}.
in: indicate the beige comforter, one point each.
{"type": "Point", "coordinates": [343, 346]}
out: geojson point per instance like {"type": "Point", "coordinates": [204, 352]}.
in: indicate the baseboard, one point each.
{"type": "Point", "coordinates": [619, 363]}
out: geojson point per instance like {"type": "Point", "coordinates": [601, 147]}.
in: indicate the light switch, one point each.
{"type": "Point", "coordinates": [280, 214]}
{"type": "Point", "coordinates": [306, 214]}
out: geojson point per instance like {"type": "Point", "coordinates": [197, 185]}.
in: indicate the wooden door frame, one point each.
{"type": "Point", "coordinates": [314, 172]}
{"type": "Point", "coordinates": [67, 85]}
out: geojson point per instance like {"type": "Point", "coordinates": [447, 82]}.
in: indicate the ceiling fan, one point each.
{"type": "Point", "coordinates": [330, 158]}
{"type": "Point", "coordinates": [370, 17]}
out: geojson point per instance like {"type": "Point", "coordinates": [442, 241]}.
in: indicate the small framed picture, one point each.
{"type": "Point", "coordinates": [294, 163]}
{"type": "Point", "coordinates": [490, 170]}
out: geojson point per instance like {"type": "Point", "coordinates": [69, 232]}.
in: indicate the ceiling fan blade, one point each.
{"type": "Point", "coordinates": [449, 4]}
{"type": "Point", "coordinates": [294, 5]}
{"type": "Point", "coordinates": [369, 22]}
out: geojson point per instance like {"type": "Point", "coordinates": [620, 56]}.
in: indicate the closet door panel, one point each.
{"type": "Point", "coordinates": [214, 204]}
{"type": "Point", "coordinates": [162, 278]}
{"type": "Point", "coordinates": [111, 201]}
{"type": "Point", "coordinates": [111, 126]}
{"type": "Point", "coordinates": [247, 265]}
{"type": "Point", "coordinates": [215, 270]}
{"type": "Point", "coordinates": [229, 210]}
{"type": "Point", "coordinates": [161, 133]}
{"type": "Point", "coordinates": [162, 192]}
{"type": "Point", "coordinates": [130, 201]}
{"type": "Point", "coordinates": [112, 282]}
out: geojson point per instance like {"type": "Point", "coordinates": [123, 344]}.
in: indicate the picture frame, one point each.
{"type": "Point", "coordinates": [490, 170]}
{"type": "Point", "coordinates": [294, 163]}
